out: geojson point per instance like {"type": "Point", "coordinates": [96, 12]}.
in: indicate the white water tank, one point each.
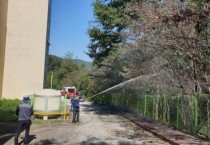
{"type": "Point", "coordinates": [47, 100]}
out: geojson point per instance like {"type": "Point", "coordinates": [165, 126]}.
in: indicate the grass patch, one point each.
{"type": "Point", "coordinates": [7, 110]}
{"type": "Point", "coordinates": [51, 119]}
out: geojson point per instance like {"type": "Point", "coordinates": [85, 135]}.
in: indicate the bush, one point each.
{"type": "Point", "coordinates": [7, 110]}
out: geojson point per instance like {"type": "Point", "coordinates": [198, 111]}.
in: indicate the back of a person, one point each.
{"type": "Point", "coordinates": [76, 104]}
{"type": "Point", "coordinates": [25, 111]}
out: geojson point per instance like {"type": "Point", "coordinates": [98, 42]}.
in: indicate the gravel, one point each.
{"type": "Point", "coordinates": [98, 126]}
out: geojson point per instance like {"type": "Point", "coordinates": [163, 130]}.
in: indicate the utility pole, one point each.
{"type": "Point", "coordinates": [51, 80]}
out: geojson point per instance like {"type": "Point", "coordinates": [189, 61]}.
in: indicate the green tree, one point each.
{"type": "Point", "coordinates": [66, 72]}
{"type": "Point", "coordinates": [169, 37]}
{"type": "Point", "coordinates": [106, 31]}
{"type": "Point", "coordinates": [176, 34]}
{"type": "Point", "coordinates": [54, 62]}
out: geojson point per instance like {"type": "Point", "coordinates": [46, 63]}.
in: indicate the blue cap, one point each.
{"type": "Point", "coordinates": [26, 99]}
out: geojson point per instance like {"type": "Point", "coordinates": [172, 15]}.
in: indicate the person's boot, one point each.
{"type": "Point", "coordinates": [25, 141]}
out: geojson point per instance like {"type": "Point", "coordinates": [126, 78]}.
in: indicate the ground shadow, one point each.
{"type": "Point", "coordinates": [31, 137]}
{"type": "Point", "coordinates": [7, 131]}
{"type": "Point", "coordinates": [96, 141]}
{"type": "Point", "coordinates": [110, 109]}
{"type": "Point", "coordinates": [46, 142]}
{"type": "Point", "coordinates": [99, 109]}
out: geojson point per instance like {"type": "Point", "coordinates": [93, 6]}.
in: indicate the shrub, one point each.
{"type": "Point", "coordinates": [7, 110]}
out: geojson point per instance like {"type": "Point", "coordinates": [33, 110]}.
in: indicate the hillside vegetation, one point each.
{"type": "Point", "coordinates": [68, 72]}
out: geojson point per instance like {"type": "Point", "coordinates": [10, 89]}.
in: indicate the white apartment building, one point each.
{"type": "Point", "coordinates": [24, 35]}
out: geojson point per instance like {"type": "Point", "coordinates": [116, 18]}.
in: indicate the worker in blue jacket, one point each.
{"type": "Point", "coordinates": [75, 107]}
{"type": "Point", "coordinates": [24, 112]}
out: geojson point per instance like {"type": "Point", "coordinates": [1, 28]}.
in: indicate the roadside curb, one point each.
{"type": "Point", "coordinates": [164, 132]}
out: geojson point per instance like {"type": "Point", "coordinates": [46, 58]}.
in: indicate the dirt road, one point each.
{"type": "Point", "coordinates": [98, 126]}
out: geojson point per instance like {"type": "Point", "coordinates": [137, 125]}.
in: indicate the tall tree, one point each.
{"type": "Point", "coordinates": [105, 33]}
{"type": "Point", "coordinates": [164, 36]}
{"type": "Point", "coordinates": [176, 31]}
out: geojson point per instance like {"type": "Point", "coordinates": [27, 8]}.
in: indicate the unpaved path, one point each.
{"type": "Point", "coordinates": [98, 126]}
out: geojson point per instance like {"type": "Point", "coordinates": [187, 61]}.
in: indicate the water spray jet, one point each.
{"type": "Point", "coordinates": [123, 83]}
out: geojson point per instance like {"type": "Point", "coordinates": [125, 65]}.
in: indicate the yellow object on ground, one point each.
{"type": "Point", "coordinates": [46, 114]}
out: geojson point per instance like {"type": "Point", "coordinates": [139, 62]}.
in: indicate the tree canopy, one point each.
{"type": "Point", "coordinates": [105, 32]}
{"type": "Point", "coordinates": [166, 36]}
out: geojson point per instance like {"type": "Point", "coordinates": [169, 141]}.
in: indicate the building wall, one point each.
{"type": "Point", "coordinates": [3, 30]}
{"type": "Point", "coordinates": [25, 50]}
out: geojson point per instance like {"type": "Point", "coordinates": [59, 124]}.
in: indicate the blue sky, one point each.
{"type": "Point", "coordinates": [69, 24]}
